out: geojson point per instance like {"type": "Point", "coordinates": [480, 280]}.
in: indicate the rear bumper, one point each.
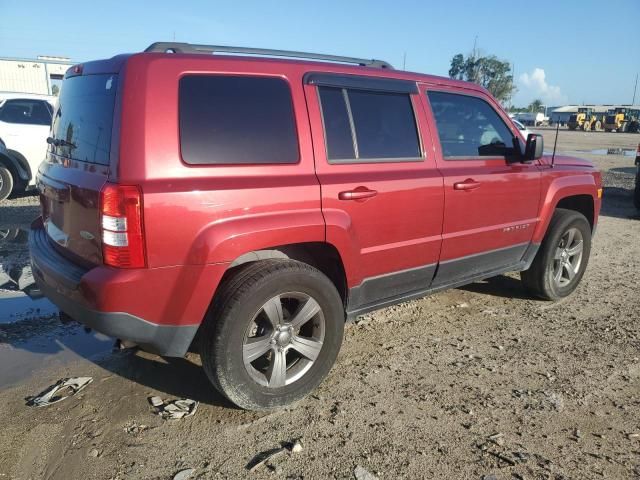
{"type": "Point", "coordinates": [159, 309]}
{"type": "Point", "coordinates": [170, 341]}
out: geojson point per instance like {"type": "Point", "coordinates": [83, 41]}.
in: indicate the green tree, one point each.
{"type": "Point", "coordinates": [55, 89]}
{"type": "Point", "coordinates": [490, 72]}
{"type": "Point", "coordinates": [536, 105]}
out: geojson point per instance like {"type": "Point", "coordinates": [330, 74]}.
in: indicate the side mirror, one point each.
{"type": "Point", "coordinates": [534, 147]}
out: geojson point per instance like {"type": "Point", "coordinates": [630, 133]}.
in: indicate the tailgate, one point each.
{"type": "Point", "coordinates": [77, 166]}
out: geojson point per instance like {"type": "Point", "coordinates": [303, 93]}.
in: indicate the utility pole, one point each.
{"type": "Point", "coordinates": [404, 61]}
{"type": "Point", "coordinates": [633, 102]}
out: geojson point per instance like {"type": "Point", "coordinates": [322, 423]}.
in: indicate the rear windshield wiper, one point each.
{"type": "Point", "coordinates": [59, 142]}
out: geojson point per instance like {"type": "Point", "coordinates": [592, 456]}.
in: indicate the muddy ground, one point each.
{"type": "Point", "coordinates": [478, 382]}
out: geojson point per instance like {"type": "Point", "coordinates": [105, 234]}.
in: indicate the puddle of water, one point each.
{"type": "Point", "coordinates": [18, 361]}
{"type": "Point", "coordinates": [30, 333]}
{"type": "Point", "coordinates": [16, 306]}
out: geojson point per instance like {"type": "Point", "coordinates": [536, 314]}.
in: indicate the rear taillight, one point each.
{"type": "Point", "coordinates": [121, 222]}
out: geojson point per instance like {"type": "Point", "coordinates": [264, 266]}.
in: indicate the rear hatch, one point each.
{"type": "Point", "coordinates": [78, 164]}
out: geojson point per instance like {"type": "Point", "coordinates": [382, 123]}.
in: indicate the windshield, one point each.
{"type": "Point", "coordinates": [84, 118]}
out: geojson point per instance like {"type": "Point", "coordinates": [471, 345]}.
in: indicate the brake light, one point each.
{"type": "Point", "coordinates": [121, 222]}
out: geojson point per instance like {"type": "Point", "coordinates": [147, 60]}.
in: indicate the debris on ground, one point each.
{"type": "Point", "coordinates": [134, 428]}
{"type": "Point", "coordinates": [174, 409]}
{"type": "Point", "coordinates": [497, 438]}
{"type": "Point", "coordinates": [296, 447]}
{"type": "Point", "coordinates": [55, 393]}
{"type": "Point", "coordinates": [184, 474]}
{"type": "Point", "coordinates": [263, 457]}
{"type": "Point", "coordinates": [94, 452]}
{"type": "Point", "coordinates": [363, 474]}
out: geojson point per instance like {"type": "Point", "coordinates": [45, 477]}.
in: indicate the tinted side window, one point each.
{"type": "Point", "coordinates": [469, 127]}
{"type": "Point", "coordinates": [28, 112]}
{"type": "Point", "coordinates": [385, 125]}
{"type": "Point", "coordinates": [336, 124]}
{"type": "Point", "coordinates": [382, 124]}
{"type": "Point", "coordinates": [236, 120]}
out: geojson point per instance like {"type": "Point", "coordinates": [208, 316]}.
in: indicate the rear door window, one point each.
{"type": "Point", "coordinates": [362, 125]}
{"type": "Point", "coordinates": [26, 112]}
{"type": "Point", "coordinates": [84, 118]}
{"type": "Point", "coordinates": [236, 120]}
{"type": "Point", "coordinates": [469, 127]}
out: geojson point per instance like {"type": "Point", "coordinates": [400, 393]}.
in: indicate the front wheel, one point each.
{"type": "Point", "coordinates": [6, 183]}
{"type": "Point", "coordinates": [562, 259]}
{"type": "Point", "coordinates": [273, 333]}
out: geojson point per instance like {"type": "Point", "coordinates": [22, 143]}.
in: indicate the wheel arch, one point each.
{"type": "Point", "coordinates": [574, 192]}
{"type": "Point", "coordinates": [17, 165]}
{"type": "Point", "coordinates": [582, 203]}
{"type": "Point", "coordinates": [321, 255]}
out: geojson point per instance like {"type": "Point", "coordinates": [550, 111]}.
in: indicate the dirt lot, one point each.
{"type": "Point", "coordinates": [478, 382]}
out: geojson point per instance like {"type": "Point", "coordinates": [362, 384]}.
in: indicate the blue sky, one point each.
{"type": "Point", "coordinates": [564, 51]}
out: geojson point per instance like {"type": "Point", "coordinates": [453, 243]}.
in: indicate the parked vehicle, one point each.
{"type": "Point", "coordinates": [586, 119]}
{"type": "Point", "coordinates": [622, 120]}
{"type": "Point", "coordinates": [532, 119]}
{"type": "Point", "coordinates": [524, 131]}
{"type": "Point", "coordinates": [25, 120]}
{"type": "Point", "coordinates": [261, 202]}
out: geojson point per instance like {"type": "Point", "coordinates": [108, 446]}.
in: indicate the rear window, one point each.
{"type": "Point", "coordinates": [236, 120]}
{"type": "Point", "coordinates": [84, 118]}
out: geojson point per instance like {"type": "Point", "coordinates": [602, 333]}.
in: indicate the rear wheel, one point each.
{"type": "Point", "coordinates": [6, 183]}
{"type": "Point", "coordinates": [562, 259]}
{"type": "Point", "coordinates": [273, 333]}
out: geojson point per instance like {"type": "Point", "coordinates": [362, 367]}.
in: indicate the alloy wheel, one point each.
{"type": "Point", "coordinates": [568, 257]}
{"type": "Point", "coordinates": [284, 339]}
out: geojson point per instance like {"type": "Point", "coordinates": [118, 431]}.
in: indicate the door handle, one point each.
{"type": "Point", "coordinates": [359, 193]}
{"type": "Point", "coordinates": [468, 184]}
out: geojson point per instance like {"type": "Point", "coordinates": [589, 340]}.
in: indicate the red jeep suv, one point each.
{"type": "Point", "coordinates": [260, 202]}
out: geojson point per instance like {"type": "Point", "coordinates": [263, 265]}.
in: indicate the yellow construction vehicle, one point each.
{"type": "Point", "coordinates": [586, 119]}
{"type": "Point", "coordinates": [616, 120]}
{"type": "Point", "coordinates": [633, 121]}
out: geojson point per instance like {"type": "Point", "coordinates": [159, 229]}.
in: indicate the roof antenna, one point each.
{"type": "Point", "coordinates": [555, 144]}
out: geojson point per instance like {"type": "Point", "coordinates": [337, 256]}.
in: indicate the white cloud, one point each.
{"type": "Point", "coordinates": [534, 85]}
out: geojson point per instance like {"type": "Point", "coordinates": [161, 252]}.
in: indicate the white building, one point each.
{"type": "Point", "coordinates": [32, 76]}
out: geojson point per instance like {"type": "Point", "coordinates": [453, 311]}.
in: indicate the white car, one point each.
{"type": "Point", "coordinates": [523, 130]}
{"type": "Point", "coordinates": [25, 120]}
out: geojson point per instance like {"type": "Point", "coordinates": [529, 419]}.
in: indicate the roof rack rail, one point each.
{"type": "Point", "coordinates": [179, 47]}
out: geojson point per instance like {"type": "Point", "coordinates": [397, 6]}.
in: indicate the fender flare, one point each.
{"type": "Point", "coordinates": [227, 240]}
{"type": "Point", "coordinates": [563, 187]}
{"type": "Point", "coordinates": [15, 164]}
{"type": "Point", "coordinates": [23, 166]}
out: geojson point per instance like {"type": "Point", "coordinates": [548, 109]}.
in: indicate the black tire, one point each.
{"type": "Point", "coordinates": [538, 279]}
{"type": "Point", "coordinates": [6, 183]}
{"type": "Point", "coordinates": [242, 297]}
{"type": "Point", "coordinates": [636, 192]}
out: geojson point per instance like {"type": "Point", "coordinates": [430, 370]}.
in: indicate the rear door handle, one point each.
{"type": "Point", "coordinates": [359, 193]}
{"type": "Point", "coordinates": [468, 184]}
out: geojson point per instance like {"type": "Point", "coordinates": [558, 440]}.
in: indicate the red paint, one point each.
{"type": "Point", "coordinates": [380, 217]}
